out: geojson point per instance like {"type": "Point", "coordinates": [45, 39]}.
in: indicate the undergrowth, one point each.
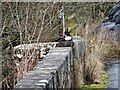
{"type": "Point", "coordinates": [104, 80]}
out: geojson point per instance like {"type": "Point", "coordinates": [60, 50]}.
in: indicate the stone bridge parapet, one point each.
{"type": "Point", "coordinates": [54, 71]}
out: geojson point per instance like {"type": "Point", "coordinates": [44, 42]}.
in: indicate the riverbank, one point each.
{"type": "Point", "coordinates": [103, 83]}
{"type": "Point", "coordinates": [110, 78]}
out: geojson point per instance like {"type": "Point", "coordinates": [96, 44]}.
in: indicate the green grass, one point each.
{"type": "Point", "coordinates": [104, 80]}
{"type": "Point", "coordinates": [93, 86]}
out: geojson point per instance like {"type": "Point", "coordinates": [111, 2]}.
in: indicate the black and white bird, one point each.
{"type": "Point", "coordinates": [67, 35]}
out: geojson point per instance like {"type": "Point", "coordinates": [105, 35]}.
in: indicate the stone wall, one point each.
{"type": "Point", "coordinates": [54, 71]}
{"type": "Point", "coordinates": [27, 56]}
{"type": "Point", "coordinates": [79, 48]}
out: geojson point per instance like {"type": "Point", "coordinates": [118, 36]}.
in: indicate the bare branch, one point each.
{"type": "Point", "coordinates": [21, 40]}
{"type": "Point", "coordinates": [42, 23]}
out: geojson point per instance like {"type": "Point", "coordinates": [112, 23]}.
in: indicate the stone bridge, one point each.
{"type": "Point", "coordinates": [47, 66]}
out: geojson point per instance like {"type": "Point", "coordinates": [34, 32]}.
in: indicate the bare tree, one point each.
{"type": "Point", "coordinates": [23, 23]}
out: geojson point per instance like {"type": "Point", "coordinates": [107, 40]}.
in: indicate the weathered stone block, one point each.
{"type": "Point", "coordinates": [51, 72]}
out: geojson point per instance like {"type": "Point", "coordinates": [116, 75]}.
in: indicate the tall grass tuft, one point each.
{"type": "Point", "coordinates": [98, 46]}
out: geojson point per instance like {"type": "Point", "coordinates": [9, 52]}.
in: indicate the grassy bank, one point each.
{"type": "Point", "coordinates": [79, 81]}
{"type": "Point", "coordinates": [104, 80]}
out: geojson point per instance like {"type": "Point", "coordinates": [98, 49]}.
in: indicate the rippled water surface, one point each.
{"type": "Point", "coordinates": [114, 75]}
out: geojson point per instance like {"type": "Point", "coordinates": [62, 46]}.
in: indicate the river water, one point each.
{"type": "Point", "coordinates": [114, 75]}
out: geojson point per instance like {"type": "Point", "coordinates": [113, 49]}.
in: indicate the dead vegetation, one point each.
{"type": "Point", "coordinates": [25, 23]}
{"type": "Point", "coordinates": [100, 46]}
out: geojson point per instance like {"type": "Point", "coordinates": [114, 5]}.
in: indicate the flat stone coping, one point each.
{"type": "Point", "coordinates": [35, 45]}
{"type": "Point", "coordinates": [45, 69]}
